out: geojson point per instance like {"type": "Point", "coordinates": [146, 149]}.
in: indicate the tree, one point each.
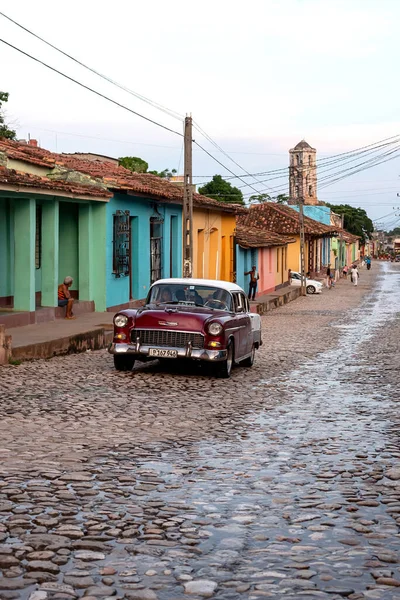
{"type": "Point", "coordinates": [133, 163]}
{"type": "Point", "coordinates": [222, 190]}
{"type": "Point", "coordinates": [279, 199]}
{"type": "Point", "coordinates": [4, 129]}
{"type": "Point", "coordinates": [356, 220]}
{"type": "Point", "coordinates": [138, 165]}
{"type": "Point", "coordinates": [166, 174]}
{"type": "Point", "coordinates": [395, 232]}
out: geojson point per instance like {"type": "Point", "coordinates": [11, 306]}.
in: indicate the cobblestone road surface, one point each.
{"type": "Point", "coordinates": [282, 482]}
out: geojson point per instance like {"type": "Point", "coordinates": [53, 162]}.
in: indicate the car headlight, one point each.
{"type": "Point", "coordinates": [214, 328]}
{"type": "Point", "coordinates": [120, 320]}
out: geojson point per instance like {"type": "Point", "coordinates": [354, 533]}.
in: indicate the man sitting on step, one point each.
{"type": "Point", "coordinates": [65, 298]}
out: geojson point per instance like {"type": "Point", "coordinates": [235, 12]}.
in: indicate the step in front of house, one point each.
{"type": "Point", "coordinates": [80, 307]}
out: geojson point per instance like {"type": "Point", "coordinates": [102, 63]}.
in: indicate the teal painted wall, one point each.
{"type": "Point", "coordinates": [6, 248]}
{"type": "Point", "coordinates": [68, 263]}
{"type": "Point", "coordinates": [141, 210]}
{"type": "Point", "coordinates": [245, 259]}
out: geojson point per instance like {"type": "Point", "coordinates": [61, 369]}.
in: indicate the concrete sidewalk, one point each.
{"type": "Point", "coordinates": [93, 331]}
{"type": "Point", "coordinates": [90, 331]}
{"type": "Point", "coordinates": [266, 302]}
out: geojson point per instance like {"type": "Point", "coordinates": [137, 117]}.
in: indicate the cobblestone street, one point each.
{"type": "Point", "coordinates": [281, 482]}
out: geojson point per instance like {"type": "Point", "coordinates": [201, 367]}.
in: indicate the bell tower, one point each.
{"type": "Point", "coordinates": [303, 174]}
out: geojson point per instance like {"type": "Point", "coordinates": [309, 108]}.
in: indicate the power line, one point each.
{"type": "Point", "coordinates": [220, 163]}
{"type": "Point", "coordinates": [168, 111]}
{"type": "Point", "coordinates": [90, 89]}
{"type": "Point", "coordinates": [200, 130]}
{"type": "Point", "coordinates": [335, 158]}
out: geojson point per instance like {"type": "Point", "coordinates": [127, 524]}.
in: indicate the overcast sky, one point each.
{"type": "Point", "coordinates": [258, 76]}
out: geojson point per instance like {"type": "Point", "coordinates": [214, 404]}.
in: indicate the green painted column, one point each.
{"type": "Point", "coordinates": [24, 257]}
{"type": "Point", "coordinates": [85, 252]}
{"type": "Point", "coordinates": [50, 252]}
{"type": "Point", "coordinates": [99, 222]}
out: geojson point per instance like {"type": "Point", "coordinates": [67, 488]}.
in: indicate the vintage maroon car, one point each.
{"type": "Point", "coordinates": [194, 319]}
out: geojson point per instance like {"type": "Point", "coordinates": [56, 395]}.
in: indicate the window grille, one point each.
{"type": "Point", "coordinates": [121, 243]}
{"type": "Point", "coordinates": [156, 224]}
{"type": "Point", "coordinates": [38, 238]}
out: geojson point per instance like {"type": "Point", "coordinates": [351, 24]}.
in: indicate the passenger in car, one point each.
{"type": "Point", "coordinates": [180, 295]}
{"type": "Point", "coordinates": [166, 296]}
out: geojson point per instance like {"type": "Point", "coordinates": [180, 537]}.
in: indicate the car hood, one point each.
{"type": "Point", "coordinates": [313, 282]}
{"type": "Point", "coordinates": [181, 318]}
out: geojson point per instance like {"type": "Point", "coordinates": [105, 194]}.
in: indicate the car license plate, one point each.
{"type": "Point", "coordinates": [160, 353]}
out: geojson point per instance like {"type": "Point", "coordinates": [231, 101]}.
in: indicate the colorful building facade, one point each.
{"type": "Point", "coordinates": [267, 251]}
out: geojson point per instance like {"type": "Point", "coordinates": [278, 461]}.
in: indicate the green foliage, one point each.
{"type": "Point", "coordinates": [222, 190]}
{"type": "Point", "coordinates": [14, 361]}
{"type": "Point", "coordinates": [356, 220]}
{"type": "Point", "coordinates": [279, 199]}
{"type": "Point", "coordinates": [394, 233]}
{"type": "Point", "coordinates": [4, 129]}
{"type": "Point", "coordinates": [138, 165]}
{"type": "Point", "coordinates": [133, 163]}
{"type": "Point", "coordinates": [164, 174]}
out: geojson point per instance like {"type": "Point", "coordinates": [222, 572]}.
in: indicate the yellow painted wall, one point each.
{"type": "Point", "coordinates": [293, 255]}
{"type": "Point", "coordinates": [213, 244]}
{"type": "Point", "coordinates": [281, 263]}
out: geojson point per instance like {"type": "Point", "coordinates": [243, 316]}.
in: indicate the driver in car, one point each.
{"type": "Point", "coordinates": [219, 300]}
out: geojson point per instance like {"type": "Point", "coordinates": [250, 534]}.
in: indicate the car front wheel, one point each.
{"type": "Point", "coordinates": [123, 363]}
{"type": "Point", "coordinates": [311, 289]}
{"type": "Point", "coordinates": [224, 368]}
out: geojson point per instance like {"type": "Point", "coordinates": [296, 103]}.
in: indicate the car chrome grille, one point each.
{"type": "Point", "coordinates": [172, 339]}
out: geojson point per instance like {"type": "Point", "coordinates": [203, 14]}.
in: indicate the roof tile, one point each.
{"type": "Point", "coordinates": [115, 177]}
{"type": "Point", "coordinates": [16, 178]}
{"type": "Point", "coordinates": [283, 219]}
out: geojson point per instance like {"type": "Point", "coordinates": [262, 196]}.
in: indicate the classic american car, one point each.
{"type": "Point", "coordinates": [190, 319]}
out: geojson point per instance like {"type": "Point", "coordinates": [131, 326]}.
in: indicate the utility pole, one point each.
{"type": "Point", "coordinates": [188, 201]}
{"type": "Point", "coordinates": [302, 236]}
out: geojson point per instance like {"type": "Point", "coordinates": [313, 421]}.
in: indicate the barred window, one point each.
{"type": "Point", "coordinates": [38, 238]}
{"type": "Point", "coordinates": [121, 243]}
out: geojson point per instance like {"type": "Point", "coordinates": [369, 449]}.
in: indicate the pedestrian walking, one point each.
{"type": "Point", "coordinates": [328, 276]}
{"type": "Point", "coordinates": [345, 271]}
{"type": "Point", "coordinates": [354, 274]}
{"type": "Point", "coordinates": [254, 277]}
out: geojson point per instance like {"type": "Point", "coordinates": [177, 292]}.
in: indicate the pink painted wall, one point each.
{"type": "Point", "coordinates": [267, 270]}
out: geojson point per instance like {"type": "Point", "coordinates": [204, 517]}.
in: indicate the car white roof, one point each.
{"type": "Point", "coordinates": [225, 285]}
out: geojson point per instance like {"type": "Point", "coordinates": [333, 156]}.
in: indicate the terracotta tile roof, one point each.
{"type": "Point", "coordinates": [114, 176]}
{"type": "Point", "coordinates": [10, 177]}
{"type": "Point", "coordinates": [347, 236]}
{"type": "Point", "coordinates": [251, 237]}
{"type": "Point", "coordinates": [283, 219]}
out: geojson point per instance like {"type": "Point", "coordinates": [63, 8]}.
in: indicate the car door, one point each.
{"type": "Point", "coordinates": [295, 279]}
{"type": "Point", "coordinates": [242, 325]}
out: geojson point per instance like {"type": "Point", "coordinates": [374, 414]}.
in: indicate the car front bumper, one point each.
{"type": "Point", "coordinates": [141, 352]}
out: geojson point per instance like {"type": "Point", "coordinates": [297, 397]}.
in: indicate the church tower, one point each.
{"type": "Point", "coordinates": [303, 174]}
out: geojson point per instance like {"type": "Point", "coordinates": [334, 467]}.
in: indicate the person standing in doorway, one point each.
{"type": "Point", "coordinates": [65, 298]}
{"type": "Point", "coordinates": [354, 274]}
{"type": "Point", "coordinates": [328, 276]}
{"type": "Point", "coordinates": [254, 277]}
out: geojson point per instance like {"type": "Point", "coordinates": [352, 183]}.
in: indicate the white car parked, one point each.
{"type": "Point", "coordinates": [312, 286]}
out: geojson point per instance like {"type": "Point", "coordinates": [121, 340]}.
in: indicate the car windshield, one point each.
{"type": "Point", "coordinates": [198, 295]}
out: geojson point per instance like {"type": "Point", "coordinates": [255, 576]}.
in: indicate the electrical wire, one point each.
{"type": "Point", "coordinates": [335, 158]}
{"type": "Point", "coordinates": [168, 111]}
{"type": "Point", "coordinates": [222, 165]}
{"type": "Point", "coordinates": [89, 88]}
{"type": "Point", "coordinates": [200, 130]}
